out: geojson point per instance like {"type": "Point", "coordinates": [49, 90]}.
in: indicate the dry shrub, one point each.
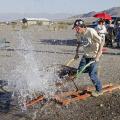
{"type": "Point", "coordinates": [40, 23]}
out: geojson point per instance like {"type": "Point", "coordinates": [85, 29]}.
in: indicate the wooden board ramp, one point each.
{"type": "Point", "coordinates": [70, 97]}
{"type": "Point", "coordinates": [73, 96]}
{"type": "Point", "coordinates": [66, 98]}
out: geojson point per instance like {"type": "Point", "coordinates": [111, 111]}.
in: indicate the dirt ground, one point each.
{"type": "Point", "coordinates": [57, 47]}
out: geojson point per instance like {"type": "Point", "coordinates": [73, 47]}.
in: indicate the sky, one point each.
{"type": "Point", "coordinates": [56, 6]}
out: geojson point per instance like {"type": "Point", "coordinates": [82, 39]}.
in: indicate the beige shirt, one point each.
{"type": "Point", "coordinates": [91, 41]}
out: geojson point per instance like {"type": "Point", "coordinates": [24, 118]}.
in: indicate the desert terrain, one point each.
{"type": "Point", "coordinates": [51, 48]}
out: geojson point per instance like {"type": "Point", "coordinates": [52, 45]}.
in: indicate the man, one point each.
{"type": "Point", "coordinates": [92, 45]}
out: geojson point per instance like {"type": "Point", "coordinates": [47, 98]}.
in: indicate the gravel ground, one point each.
{"type": "Point", "coordinates": [51, 48]}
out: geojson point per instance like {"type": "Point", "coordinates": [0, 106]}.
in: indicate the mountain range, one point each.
{"type": "Point", "coordinates": [115, 11]}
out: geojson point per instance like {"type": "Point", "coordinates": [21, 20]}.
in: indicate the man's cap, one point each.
{"type": "Point", "coordinates": [79, 23]}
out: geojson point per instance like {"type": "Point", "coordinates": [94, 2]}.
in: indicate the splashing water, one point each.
{"type": "Point", "coordinates": [27, 80]}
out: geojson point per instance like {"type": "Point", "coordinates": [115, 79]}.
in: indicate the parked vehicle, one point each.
{"type": "Point", "coordinates": [115, 20]}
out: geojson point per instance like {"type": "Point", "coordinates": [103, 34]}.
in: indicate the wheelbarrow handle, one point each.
{"type": "Point", "coordinates": [70, 62]}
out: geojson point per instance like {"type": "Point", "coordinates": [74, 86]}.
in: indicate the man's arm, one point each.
{"type": "Point", "coordinates": [77, 50]}
{"type": "Point", "coordinates": [78, 45]}
{"type": "Point", "coordinates": [99, 53]}
{"type": "Point", "coordinates": [101, 44]}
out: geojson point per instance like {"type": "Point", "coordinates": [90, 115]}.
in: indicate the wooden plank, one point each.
{"type": "Point", "coordinates": [34, 101]}
{"type": "Point", "coordinates": [69, 97]}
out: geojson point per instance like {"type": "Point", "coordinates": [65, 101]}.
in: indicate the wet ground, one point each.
{"type": "Point", "coordinates": [51, 48]}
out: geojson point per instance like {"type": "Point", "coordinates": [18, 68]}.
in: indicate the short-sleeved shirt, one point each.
{"type": "Point", "coordinates": [90, 41]}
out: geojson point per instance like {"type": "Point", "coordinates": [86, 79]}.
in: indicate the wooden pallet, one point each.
{"type": "Point", "coordinates": [66, 98]}
{"type": "Point", "coordinates": [73, 96]}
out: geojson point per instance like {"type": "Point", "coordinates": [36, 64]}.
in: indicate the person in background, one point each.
{"type": "Point", "coordinates": [92, 46]}
{"type": "Point", "coordinates": [110, 36]}
{"type": "Point", "coordinates": [109, 23]}
{"type": "Point", "coordinates": [118, 35]}
{"type": "Point", "coordinates": [101, 29]}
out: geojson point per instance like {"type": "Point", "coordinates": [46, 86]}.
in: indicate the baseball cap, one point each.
{"type": "Point", "coordinates": [79, 23]}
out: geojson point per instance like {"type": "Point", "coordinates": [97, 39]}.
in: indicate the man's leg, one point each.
{"type": "Point", "coordinates": [94, 77]}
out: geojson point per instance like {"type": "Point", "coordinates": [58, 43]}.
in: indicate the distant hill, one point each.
{"type": "Point", "coordinates": [115, 11]}
{"type": "Point", "coordinates": [90, 14]}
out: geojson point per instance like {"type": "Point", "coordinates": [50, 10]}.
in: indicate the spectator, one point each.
{"type": "Point", "coordinates": [118, 35]}
{"type": "Point", "coordinates": [110, 36]}
{"type": "Point", "coordinates": [101, 29]}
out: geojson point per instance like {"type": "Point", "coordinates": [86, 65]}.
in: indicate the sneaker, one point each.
{"type": "Point", "coordinates": [96, 93]}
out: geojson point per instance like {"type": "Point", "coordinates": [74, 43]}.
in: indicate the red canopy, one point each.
{"type": "Point", "coordinates": [103, 15]}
